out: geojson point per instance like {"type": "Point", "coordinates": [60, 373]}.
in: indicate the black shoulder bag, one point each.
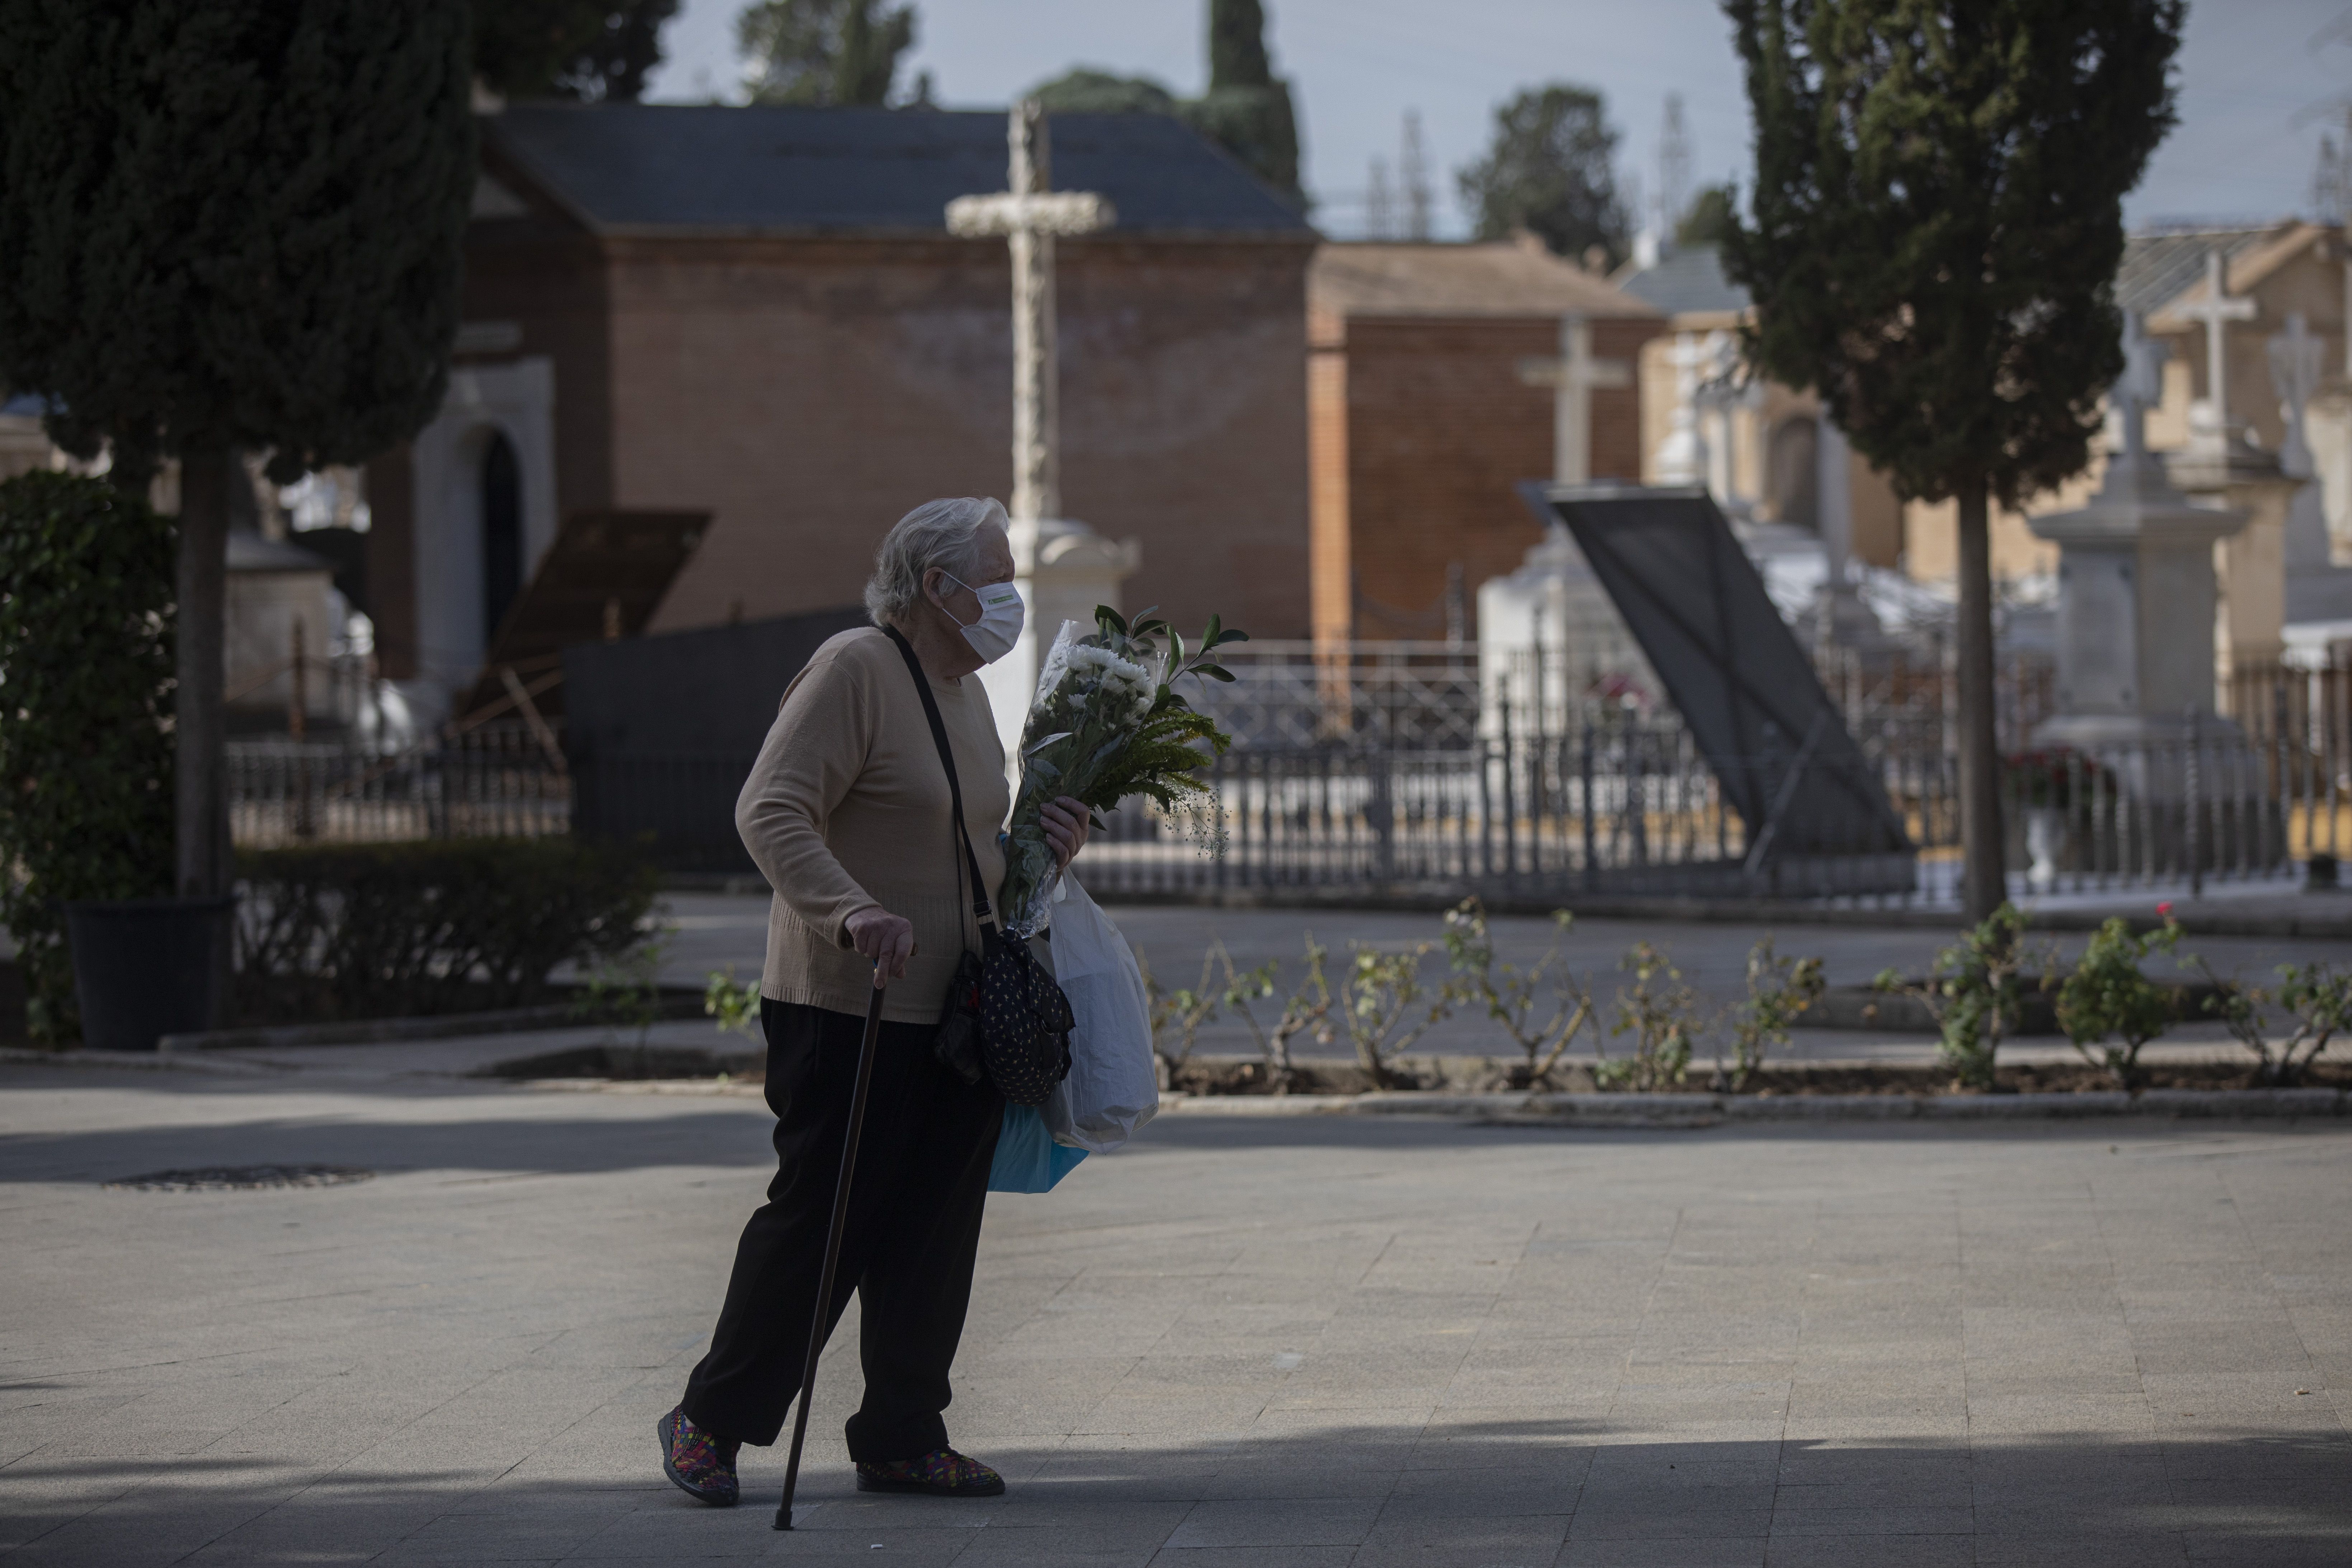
{"type": "Point", "coordinates": [1004, 1019]}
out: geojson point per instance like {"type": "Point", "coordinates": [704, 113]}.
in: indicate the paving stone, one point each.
{"type": "Point", "coordinates": [1319, 1522]}
{"type": "Point", "coordinates": [1236, 1343]}
{"type": "Point", "coordinates": [1870, 1552]}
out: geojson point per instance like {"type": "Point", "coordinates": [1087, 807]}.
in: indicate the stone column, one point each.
{"type": "Point", "coordinates": [1840, 614]}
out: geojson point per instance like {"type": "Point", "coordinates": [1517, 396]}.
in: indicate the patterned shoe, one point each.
{"type": "Point", "coordinates": [942, 1472]}
{"type": "Point", "coordinates": [701, 1464]}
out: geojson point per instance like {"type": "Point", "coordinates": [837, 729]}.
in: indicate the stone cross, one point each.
{"type": "Point", "coordinates": [2217, 309]}
{"type": "Point", "coordinates": [1573, 377]}
{"type": "Point", "coordinates": [1030, 214]}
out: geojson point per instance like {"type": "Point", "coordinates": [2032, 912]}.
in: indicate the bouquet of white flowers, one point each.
{"type": "Point", "coordinates": [1107, 724]}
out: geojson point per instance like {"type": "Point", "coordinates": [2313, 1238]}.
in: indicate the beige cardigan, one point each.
{"type": "Point", "coordinates": [847, 808]}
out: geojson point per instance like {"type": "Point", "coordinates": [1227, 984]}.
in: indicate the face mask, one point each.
{"type": "Point", "coordinates": [999, 626]}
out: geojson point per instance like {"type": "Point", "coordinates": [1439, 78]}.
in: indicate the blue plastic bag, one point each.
{"type": "Point", "coordinates": [1027, 1158]}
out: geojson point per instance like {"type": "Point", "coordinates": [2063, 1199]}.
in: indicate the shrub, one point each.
{"type": "Point", "coordinates": [1176, 1017]}
{"type": "Point", "coordinates": [1972, 991]}
{"type": "Point", "coordinates": [736, 1005]}
{"type": "Point", "coordinates": [2107, 998]}
{"type": "Point", "coordinates": [365, 930]}
{"type": "Point", "coordinates": [1308, 1006]}
{"type": "Point", "coordinates": [1385, 1007]}
{"type": "Point", "coordinates": [1780, 991]}
{"type": "Point", "coordinates": [2317, 998]}
{"type": "Point", "coordinates": [86, 649]}
{"type": "Point", "coordinates": [1661, 1013]}
{"type": "Point", "coordinates": [1511, 996]}
{"type": "Point", "coordinates": [623, 990]}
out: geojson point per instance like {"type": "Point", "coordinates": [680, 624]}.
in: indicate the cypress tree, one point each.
{"type": "Point", "coordinates": [232, 226]}
{"type": "Point", "coordinates": [1936, 226]}
{"type": "Point", "coordinates": [1247, 109]}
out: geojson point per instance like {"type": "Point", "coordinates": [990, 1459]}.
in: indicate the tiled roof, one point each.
{"type": "Point", "coordinates": [1499, 279]}
{"type": "Point", "coordinates": [1685, 279]}
{"type": "Point", "coordinates": [2159, 268]}
{"type": "Point", "coordinates": [652, 168]}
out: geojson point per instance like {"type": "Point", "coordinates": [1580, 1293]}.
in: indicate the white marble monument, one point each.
{"type": "Point", "coordinates": [1682, 456]}
{"type": "Point", "coordinates": [2220, 468]}
{"type": "Point", "coordinates": [1549, 633]}
{"type": "Point", "coordinates": [2135, 589]}
{"type": "Point", "coordinates": [2318, 593]}
{"type": "Point", "coordinates": [1063, 568]}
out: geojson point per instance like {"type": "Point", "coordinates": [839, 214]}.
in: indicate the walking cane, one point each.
{"type": "Point", "coordinates": [833, 1244]}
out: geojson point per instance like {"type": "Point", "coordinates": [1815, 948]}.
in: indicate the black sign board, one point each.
{"type": "Point", "coordinates": [1778, 747]}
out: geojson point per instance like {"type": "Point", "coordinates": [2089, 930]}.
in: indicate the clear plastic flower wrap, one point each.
{"type": "Point", "coordinates": [1106, 723]}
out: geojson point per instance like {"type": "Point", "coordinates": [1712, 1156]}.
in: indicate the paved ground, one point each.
{"type": "Point", "coordinates": [717, 930]}
{"type": "Point", "coordinates": [1241, 1342]}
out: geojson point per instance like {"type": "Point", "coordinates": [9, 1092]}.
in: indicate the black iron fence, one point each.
{"type": "Point", "coordinates": [493, 781]}
{"type": "Point", "coordinates": [1603, 799]}
{"type": "Point", "coordinates": [1618, 809]}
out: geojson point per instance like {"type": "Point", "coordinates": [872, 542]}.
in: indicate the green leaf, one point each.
{"type": "Point", "coordinates": [1109, 618]}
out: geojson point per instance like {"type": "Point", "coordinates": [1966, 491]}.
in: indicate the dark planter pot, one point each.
{"type": "Point", "coordinates": [144, 968]}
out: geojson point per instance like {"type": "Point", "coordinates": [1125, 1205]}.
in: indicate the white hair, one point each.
{"type": "Point", "coordinates": [941, 534]}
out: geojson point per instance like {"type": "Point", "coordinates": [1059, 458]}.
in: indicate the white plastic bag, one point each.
{"type": "Point", "coordinates": [1112, 1088]}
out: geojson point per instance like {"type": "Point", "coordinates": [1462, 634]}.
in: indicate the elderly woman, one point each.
{"type": "Point", "coordinates": [847, 814]}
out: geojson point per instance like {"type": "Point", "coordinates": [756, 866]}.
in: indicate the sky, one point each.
{"type": "Point", "coordinates": [2257, 79]}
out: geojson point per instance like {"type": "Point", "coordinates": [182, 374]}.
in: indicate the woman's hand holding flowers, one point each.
{"type": "Point", "coordinates": [1066, 827]}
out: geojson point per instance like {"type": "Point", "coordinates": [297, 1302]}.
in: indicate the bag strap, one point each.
{"type": "Point", "coordinates": [979, 906]}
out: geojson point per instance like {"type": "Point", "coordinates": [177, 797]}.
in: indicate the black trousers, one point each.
{"type": "Point", "coordinates": [914, 1230]}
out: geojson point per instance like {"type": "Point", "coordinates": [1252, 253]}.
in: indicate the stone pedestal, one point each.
{"type": "Point", "coordinates": [2136, 599]}
{"type": "Point", "coordinates": [2250, 563]}
{"type": "Point", "coordinates": [1063, 569]}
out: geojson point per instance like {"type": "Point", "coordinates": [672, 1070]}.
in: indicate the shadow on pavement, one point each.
{"type": "Point", "coordinates": [1457, 1491]}
{"type": "Point", "coordinates": [632, 1132]}
{"type": "Point", "coordinates": [559, 1146]}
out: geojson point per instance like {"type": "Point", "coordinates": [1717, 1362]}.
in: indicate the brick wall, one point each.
{"type": "Point", "coordinates": [809, 393]}
{"type": "Point", "coordinates": [1422, 431]}
{"type": "Point", "coordinates": [544, 274]}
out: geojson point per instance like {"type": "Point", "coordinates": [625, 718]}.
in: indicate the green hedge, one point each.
{"type": "Point", "coordinates": [384, 930]}
{"type": "Point", "coordinates": [85, 696]}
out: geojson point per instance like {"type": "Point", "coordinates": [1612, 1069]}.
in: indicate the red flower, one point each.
{"type": "Point", "coordinates": [2165, 910]}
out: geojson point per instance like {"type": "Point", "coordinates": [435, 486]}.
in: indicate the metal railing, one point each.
{"type": "Point", "coordinates": [496, 780]}
{"type": "Point", "coordinates": [1617, 806]}
{"type": "Point", "coordinates": [1400, 695]}
{"type": "Point", "coordinates": [1375, 773]}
